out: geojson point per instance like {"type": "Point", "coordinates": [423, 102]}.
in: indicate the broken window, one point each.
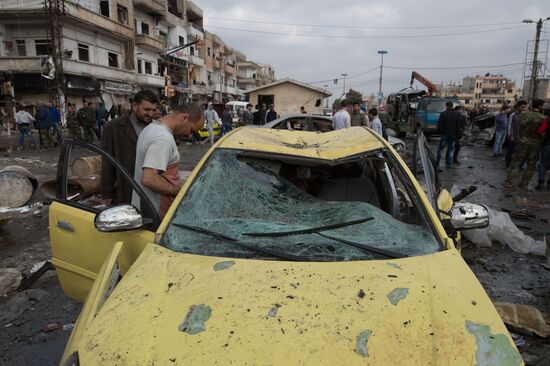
{"type": "Point", "coordinates": [246, 205]}
{"type": "Point", "coordinates": [104, 8]}
{"type": "Point", "coordinates": [21, 47]}
{"type": "Point", "coordinates": [144, 28]}
{"type": "Point", "coordinates": [113, 59]}
{"type": "Point", "coordinates": [122, 14]}
{"type": "Point", "coordinates": [148, 67]}
{"type": "Point", "coordinates": [43, 47]}
{"type": "Point", "coordinates": [83, 52]}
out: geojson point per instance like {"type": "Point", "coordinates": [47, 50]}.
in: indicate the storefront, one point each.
{"type": "Point", "coordinates": [114, 92]}
{"type": "Point", "coordinates": [30, 89]}
{"type": "Point", "coordinates": [81, 89]}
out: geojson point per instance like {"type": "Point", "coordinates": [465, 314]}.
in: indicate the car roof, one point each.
{"type": "Point", "coordinates": [329, 145]}
{"type": "Point", "coordinates": [296, 115]}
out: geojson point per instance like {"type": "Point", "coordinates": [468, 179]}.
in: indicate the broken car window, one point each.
{"type": "Point", "coordinates": [235, 196]}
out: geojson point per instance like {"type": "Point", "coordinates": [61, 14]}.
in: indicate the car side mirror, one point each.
{"type": "Point", "coordinates": [118, 218]}
{"type": "Point", "coordinates": [466, 216]}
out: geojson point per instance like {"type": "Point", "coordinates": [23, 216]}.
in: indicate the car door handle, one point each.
{"type": "Point", "coordinates": [64, 225]}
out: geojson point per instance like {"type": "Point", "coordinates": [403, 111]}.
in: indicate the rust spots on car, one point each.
{"type": "Point", "coordinates": [397, 294]}
{"type": "Point", "coordinates": [195, 319]}
{"type": "Point", "coordinates": [492, 349]}
{"type": "Point", "coordinates": [361, 343]}
{"type": "Point", "coordinates": [220, 266]}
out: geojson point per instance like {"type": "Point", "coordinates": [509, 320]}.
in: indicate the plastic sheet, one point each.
{"type": "Point", "coordinates": [232, 197]}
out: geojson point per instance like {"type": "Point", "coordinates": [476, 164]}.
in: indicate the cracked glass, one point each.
{"type": "Point", "coordinates": [233, 197]}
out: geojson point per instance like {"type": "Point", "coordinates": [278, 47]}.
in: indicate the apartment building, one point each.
{"type": "Point", "coordinates": [251, 75]}
{"type": "Point", "coordinates": [491, 91]}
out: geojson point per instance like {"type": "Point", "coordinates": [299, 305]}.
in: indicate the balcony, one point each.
{"type": "Point", "coordinates": [247, 81]}
{"type": "Point", "coordinates": [173, 19]}
{"type": "Point", "coordinates": [229, 69]}
{"type": "Point", "coordinates": [29, 64]}
{"type": "Point", "coordinates": [231, 90]}
{"type": "Point", "coordinates": [150, 43]}
{"type": "Point", "coordinates": [247, 65]}
{"type": "Point", "coordinates": [195, 60]}
{"type": "Point", "coordinates": [95, 21]}
{"type": "Point", "coordinates": [153, 7]}
{"type": "Point", "coordinates": [194, 31]}
{"type": "Point", "coordinates": [193, 10]}
{"type": "Point", "coordinates": [151, 80]}
{"type": "Point", "coordinates": [198, 89]}
{"type": "Point", "coordinates": [31, 5]}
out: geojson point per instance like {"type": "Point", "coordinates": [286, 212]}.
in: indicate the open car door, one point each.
{"type": "Point", "coordinates": [425, 171]}
{"type": "Point", "coordinates": [78, 247]}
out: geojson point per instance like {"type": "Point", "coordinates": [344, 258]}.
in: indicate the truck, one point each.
{"type": "Point", "coordinates": [411, 109]}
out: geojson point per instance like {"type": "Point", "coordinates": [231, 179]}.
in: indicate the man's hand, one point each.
{"type": "Point", "coordinates": [153, 180]}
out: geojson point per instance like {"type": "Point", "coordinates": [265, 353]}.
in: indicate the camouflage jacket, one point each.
{"type": "Point", "coordinates": [529, 123]}
{"type": "Point", "coordinates": [71, 120]}
{"type": "Point", "coordinates": [86, 116]}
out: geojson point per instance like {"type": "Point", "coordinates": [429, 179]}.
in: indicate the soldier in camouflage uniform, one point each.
{"type": "Point", "coordinates": [72, 123]}
{"type": "Point", "coordinates": [528, 148]}
{"type": "Point", "coordinates": [86, 118]}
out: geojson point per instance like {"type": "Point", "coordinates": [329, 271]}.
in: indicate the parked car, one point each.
{"type": "Point", "coordinates": [311, 122]}
{"type": "Point", "coordinates": [204, 134]}
{"type": "Point", "coordinates": [319, 249]}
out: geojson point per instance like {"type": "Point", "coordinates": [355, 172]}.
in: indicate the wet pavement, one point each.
{"type": "Point", "coordinates": [506, 275]}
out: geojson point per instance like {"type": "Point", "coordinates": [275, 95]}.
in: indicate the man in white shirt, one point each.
{"type": "Point", "coordinates": [376, 124]}
{"type": "Point", "coordinates": [23, 120]}
{"type": "Point", "coordinates": [211, 116]}
{"type": "Point", "coordinates": [341, 119]}
{"type": "Point", "coordinates": [157, 156]}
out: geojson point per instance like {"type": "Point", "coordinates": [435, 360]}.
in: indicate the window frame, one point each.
{"type": "Point", "coordinates": [122, 14]}
{"type": "Point", "coordinates": [43, 43]}
{"type": "Point", "coordinates": [18, 44]}
{"type": "Point", "coordinates": [115, 58]}
{"type": "Point", "coordinates": [81, 47]}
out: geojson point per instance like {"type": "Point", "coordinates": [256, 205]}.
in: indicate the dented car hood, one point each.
{"type": "Point", "coordinates": [176, 308]}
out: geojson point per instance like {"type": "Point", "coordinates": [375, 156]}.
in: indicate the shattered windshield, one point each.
{"type": "Point", "coordinates": [257, 208]}
{"type": "Point", "coordinates": [437, 106]}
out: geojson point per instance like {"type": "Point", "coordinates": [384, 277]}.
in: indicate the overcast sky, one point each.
{"type": "Point", "coordinates": [501, 40]}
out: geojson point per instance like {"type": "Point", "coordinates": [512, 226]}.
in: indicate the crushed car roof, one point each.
{"type": "Point", "coordinates": [329, 145]}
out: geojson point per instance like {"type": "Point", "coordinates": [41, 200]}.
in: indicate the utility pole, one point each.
{"type": "Point", "coordinates": [344, 87]}
{"type": "Point", "coordinates": [381, 53]}
{"type": "Point", "coordinates": [55, 9]}
{"type": "Point", "coordinates": [534, 65]}
{"type": "Point", "coordinates": [326, 86]}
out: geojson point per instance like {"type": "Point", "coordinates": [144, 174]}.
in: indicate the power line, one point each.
{"type": "Point", "coordinates": [367, 37]}
{"type": "Point", "coordinates": [451, 67]}
{"type": "Point", "coordinates": [362, 26]}
{"type": "Point", "coordinates": [349, 77]}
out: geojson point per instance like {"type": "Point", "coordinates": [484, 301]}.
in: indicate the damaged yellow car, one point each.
{"type": "Point", "coordinates": [282, 248]}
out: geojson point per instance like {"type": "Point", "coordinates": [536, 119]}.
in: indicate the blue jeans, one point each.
{"type": "Point", "coordinates": [544, 161]}
{"type": "Point", "coordinates": [500, 136]}
{"type": "Point", "coordinates": [226, 128]}
{"type": "Point", "coordinates": [25, 130]}
{"type": "Point", "coordinates": [448, 141]}
{"type": "Point", "coordinates": [59, 135]}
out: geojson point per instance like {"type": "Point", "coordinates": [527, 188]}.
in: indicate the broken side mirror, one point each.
{"type": "Point", "coordinates": [118, 218]}
{"type": "Point", "coordinates": [466, 216]}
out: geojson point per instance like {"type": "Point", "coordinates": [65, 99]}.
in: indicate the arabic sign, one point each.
{"type": "Point", "coordinates": [118, 88]}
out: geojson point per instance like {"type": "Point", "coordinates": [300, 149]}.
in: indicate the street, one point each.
{"type": "Point", "coordinates": [507, 276]}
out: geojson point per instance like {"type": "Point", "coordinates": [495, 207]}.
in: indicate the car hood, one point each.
{"type": "Point", "coordinates": [174, 308]}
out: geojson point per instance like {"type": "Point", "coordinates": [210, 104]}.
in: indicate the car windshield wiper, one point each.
{"type": "Point", "coordinates": [252, 247]}
{"type": "Point", "coordinates": [365, 247]}
{"type": "Point", "coordinates": [311, 230]}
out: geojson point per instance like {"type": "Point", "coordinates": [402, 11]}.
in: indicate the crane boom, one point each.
{"type": "Point", "coordinates": [432, 89]}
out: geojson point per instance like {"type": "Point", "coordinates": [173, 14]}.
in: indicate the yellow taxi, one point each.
{"type": "Point", "coordinates": [282, 248]}
{"type": "Point", "coordinates": [204, 134]}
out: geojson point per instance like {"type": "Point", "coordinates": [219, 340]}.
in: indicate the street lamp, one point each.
{"type": "Point", "coordinates": [344, 88]}
{"type": "Point", "coordinates": [533, 85]}
{"type": "Point", "coordinates": [381, 53]}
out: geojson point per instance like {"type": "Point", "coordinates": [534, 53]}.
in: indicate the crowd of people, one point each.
{"type": "Point", "coordinates": [350, 115]}
{"type": "Point", "coordinates": [524, 130]}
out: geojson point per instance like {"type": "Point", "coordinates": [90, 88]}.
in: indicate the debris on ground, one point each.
{"type": "Point", "coordinates": [19, 303]}
{"type": "Point", "coordinates": [51, 327]}
{"type": "Point", "coordinates": [7, 213]}
{"type": "Point", "coordinates": [10, 278]}
{"type": "Point", "coordinates": [502, 229]}
{"type": "Point", "coordinates": [524, 319]}
{"type": "Point", "coordinates": [17, 185]}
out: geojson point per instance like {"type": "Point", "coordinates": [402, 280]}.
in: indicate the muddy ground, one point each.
{"type": "Point", "coordinates": [507, 276]}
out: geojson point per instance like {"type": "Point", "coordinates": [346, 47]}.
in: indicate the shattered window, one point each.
{"type": "Point", "coordinates": [251, 207]}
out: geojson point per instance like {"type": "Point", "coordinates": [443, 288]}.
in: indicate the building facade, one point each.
{"type": "Point", "coordinates": [113, 48]}
{"type": "Point", "coordinates": [490, 91]}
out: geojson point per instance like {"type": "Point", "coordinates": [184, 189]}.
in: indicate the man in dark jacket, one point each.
{"type": "Point", "coordinates": [119, 139]}
{"type": "Point", "coordinates": [448, 126]}
{"type": "Point", "coordinates": [271, 114]}
{"type": "Point", "coordinates": [101, 117]}
{"type": "Point", "coordinates": [44, 123]}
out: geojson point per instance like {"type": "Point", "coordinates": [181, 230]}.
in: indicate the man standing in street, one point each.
{"type": "Point", "coordinates": [72, 123]}
{"type": "Point", "coordinates": [24, 120]}
{"type": "Point", "coordinates": [119, 140]}
{"type": "Point", "coordinates": [448, 126]}
{"type": "Point", "coordinates": [357, 118]}
{"type": "Point", "coordinates": [248, 116]}
{"type": "Point", "coordinates": [211, 116]}
{"type": "Point", "coordinates": [528, 147]}
{"type": "Point", "coordinates": [271, 115]}
{"type": "Point", "coordinates": [157, 156]}
{"type": "Point", "coordinates": [544, 130]}
{"type": "Point", "coordinates": [101, 117]}
{"type": "Point", "coordinates": [86, 119]}
{"type": "Point", "coordinates": [341, 119]}
{"type": "Point", "coordinates": [513, 131]}
{"type": "Point", "coordinates": [501, 129]}
{"type": "Point", "coordinates": [461, 131]}
{"type": "Point", "coordinates": [44, 123]}
{"type": "Point", "coordinates": [227, 120]}
{"type": "Point", "coordinates": [376, 123]}
{"type": "Point", "coordinates": [262, 114]}
{"type": "Point", "coordinates": [56, 123]}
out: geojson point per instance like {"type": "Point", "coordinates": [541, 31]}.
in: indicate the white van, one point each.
{"type": "Point", "coordinates": [237, 109]}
